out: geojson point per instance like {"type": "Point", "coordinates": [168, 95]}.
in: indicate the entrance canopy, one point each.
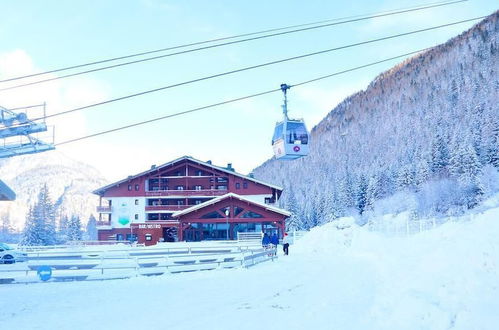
{"type": "Point", "coordinates": [223, 217]}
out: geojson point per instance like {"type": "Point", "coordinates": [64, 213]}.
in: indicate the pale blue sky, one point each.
{"type": "Point", "coordinates": [42, 35]}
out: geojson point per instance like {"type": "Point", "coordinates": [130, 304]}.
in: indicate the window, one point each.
{"type": "Point", "coordinates": [165, 216]}
{"type": "Point", "coordinates": [197, 202]}
{"type": "Point", "coordinates": [212, 215]}
{"type": "Point", "coordinates": [153, 184]}
{"type": "Point", "coordinates": [268, 200]}
{"type": "Point", "coordinates": [238, 185]}
{"type": "Point", "coordinates": [179, 187]}
{"type": "Point", "coordinates": [296, 133]}
{"type": "Point", "coordinates": [180, 202]}
{"type": "Point", "coordinates": [245, 185]}
{"type": "Point", "coordinates": [222, 180]}
{"type": "Point", "coordinates": [136, 217]}
{"type": "Point", "coordinates": [237, 211]}
{"type": "Point", "coordinates": [136, 202]}
{"type": "Point", "coordinates": [198, 187]}
{"type": "Point", "coordinates": [251, 214]}
{"type": "Point", "coordinates": [137, 187]}
{"type": "Point", "coordinates": [148, 237]}
{"type": "Point", "coordinates": [199, 173]}
{"type": "Point", "coordinates": [153, 216]}
{"type": "Point", "coordinates": [131, 237]}
{"type": "Point", "coordinates": [129, 187]}
{"type": "Point", "coordinates": [222, 187]}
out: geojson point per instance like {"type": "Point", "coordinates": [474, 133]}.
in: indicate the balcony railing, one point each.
{"type": "Point", "coordinates": [104, 209]}
{"type": "Point", "coordinates": [166, 207]}
{"type": "Point", "coordinates": [103, 223]}
{"type": "Point", "coordinates": [186, 193]}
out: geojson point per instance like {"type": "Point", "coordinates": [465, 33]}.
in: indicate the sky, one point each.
{"type": "Point", "coordinates": [37, 36]}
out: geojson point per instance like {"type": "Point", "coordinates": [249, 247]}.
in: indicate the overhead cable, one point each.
{"type": "Point", "coordinates": [177, 114]}
{"type": "Point", "coordinates": [382, 14]}
{"type": "Point", "coordinates": [253, 67]}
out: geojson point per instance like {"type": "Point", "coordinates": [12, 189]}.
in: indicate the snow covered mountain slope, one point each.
{"type": "Point", "coordinates": [349, 278]}
{"type": "Point", "coordinates": [70, 185]}
{"type": "Point", "coordinates": [432, 118]}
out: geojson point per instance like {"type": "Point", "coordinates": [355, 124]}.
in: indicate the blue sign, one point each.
{"type": "Point", "coordinates": [44, 273]}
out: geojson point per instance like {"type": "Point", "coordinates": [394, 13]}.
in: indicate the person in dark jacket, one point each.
{"type": "Point", "coordinates": [274, 240]}
{"type": "Point", "coordinates": [265, 240]}
{"type": "Point", "coordinates": [285, 244]}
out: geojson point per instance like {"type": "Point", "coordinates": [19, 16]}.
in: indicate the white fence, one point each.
{"type": "Point", "coordinates": [406, 226]}
{"type": "Point", "coordinates": [295, 235]}
{"type": "Point", "coordinates": [250, 237]}
{"type": "Point", "coordinates": [133, 262]}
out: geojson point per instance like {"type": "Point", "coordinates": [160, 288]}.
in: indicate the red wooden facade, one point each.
{"type": "Point", "coordinates": [176, 198]}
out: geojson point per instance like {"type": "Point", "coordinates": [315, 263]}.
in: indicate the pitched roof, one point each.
{"type": "Point", "coordinates": [241, 198]}
{"type": "Point", "coordinates": [103, 189]}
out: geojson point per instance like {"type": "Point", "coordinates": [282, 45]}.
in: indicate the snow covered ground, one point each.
{"type": "Point", "coordinates": [350, 278]}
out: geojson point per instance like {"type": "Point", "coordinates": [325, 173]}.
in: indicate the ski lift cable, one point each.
{"type": "Point", "coordinates": [251, 68]}
{"type": "Point", "coordinates": [181, 113]}
{"type": "Point", "coordinates": [377, 15]}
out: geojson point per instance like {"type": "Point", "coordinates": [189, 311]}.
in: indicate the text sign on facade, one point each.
{"type": "Point", "coordinates": [148, 226]}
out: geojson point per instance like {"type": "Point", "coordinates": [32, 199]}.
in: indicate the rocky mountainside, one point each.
{"type": "Point", "coordinates": [70, 185]}
{"type": "Point", "coordinates": [428, 127]}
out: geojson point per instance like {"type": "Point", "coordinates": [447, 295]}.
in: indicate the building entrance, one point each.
{"type": "Point", "coordinates": [170, 234]}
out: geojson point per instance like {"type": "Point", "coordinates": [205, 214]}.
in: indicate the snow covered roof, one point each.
{"type": "Point", "coordinates": [222, 169]}
{"type": "Point", "coordinates": [241, 198]}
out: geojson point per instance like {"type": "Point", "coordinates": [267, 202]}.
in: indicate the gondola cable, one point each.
{"type": "Point", "coordinates": [200, 48]}
{"type": "Point", "coordinates": [177, 114]}
{"type": "Point", "coordinates": [251, 68]}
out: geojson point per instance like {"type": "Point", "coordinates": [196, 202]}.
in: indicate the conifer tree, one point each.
{"type": "Point", "coordinates": [74, 229]}
{"type": "Point", "coordinates": [5, 227]}
{"type": "Point", "coordinates": [40, 221]}
{"type": "Point", "coordinates": [361, 195]}
{"type": "Point", "coordinates": [91, 231]}
{"type": "Point", "coordinates": [294, 222]}
{"type": "Point", "coordinates": [62, 234]}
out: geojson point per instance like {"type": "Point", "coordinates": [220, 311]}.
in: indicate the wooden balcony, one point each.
{"type": "Point", "coordinates": [105, 209]}
{"type": "Point", "coordinates": [172, 208]}
{"type": "Point", "coordinates": [186, 193]}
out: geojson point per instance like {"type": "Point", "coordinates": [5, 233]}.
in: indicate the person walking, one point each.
{"type": "Point", "coordinates": [274, 240]}
{"type": "Point", "coordinates": [265, 240]}
{"type": "Point", "coordinates": [285, 244]}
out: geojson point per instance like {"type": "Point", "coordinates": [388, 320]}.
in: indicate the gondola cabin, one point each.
{"type": "Point", "coordinates": [290, 140]}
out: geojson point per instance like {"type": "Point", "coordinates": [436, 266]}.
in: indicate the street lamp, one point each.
{"type": "Point", "coordinates": [227, 211]}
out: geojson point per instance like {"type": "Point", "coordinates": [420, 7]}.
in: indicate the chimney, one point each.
{"type": "Point", "coordinates": [229, 167]}
{"type": "Point", "coordinates": [153, 166]}
{"type": "Point", "coordinates": [208, 161]}
{"type": "Point", "coordinates": [251, 175]}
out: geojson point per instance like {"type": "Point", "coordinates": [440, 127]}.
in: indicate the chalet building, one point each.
{"type": "Point", "coordinates": [188, 200]}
